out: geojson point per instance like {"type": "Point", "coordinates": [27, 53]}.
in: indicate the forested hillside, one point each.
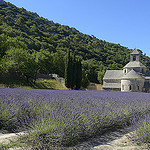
{"type": "Point", "coordinates": [30, 44]}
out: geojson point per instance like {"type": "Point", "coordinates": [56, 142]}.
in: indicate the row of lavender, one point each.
{"type": "Point", "coordinates": [65, 117]}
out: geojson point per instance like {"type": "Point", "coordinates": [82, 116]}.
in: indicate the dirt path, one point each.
{"type": "Point", "coordinates": [6, 138]}
{"type": "Point", "coordinates": [115, 140]}
{"type": "Point", "coordinates": [122, 143]}
{"type": "Point", "coordinates": [112, 140]}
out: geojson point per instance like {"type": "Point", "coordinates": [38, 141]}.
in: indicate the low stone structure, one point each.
{"type": "Point", "coordinates": [50, 77]}
{"type": "Point", "coordinates": [94, 86]}
{"type": "Point", "coordinates": [134, 77]}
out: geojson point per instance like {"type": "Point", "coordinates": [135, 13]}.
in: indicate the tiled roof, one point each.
{"type": "Point", "coordinates": [135, 51]}
{"type": "Point", "coordinates": [132, 75]}
{"type": "Point", "coordinates": [134, 64]}
{"type": "Point", "coordinates": [113, 74]}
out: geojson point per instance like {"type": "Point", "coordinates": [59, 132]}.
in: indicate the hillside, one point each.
{"type": "Point", "coordinates": [45, 44]}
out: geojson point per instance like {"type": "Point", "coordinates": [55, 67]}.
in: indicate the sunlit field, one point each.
{"type": "Point", "coordinates": [63, 118]}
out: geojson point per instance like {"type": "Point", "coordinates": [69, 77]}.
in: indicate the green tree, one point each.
{"type": "Point", "coordinates": [34, 30]}
{"type": "Point", "coordinates": [68, 70]}
{"type": "Point", "coordinates": [3, 45]}
{"type": "Point", "coordinates": [20, 21]}
{"type": "Point", "coordinates": [45, 61]}
{"type": "Point", "coordinates": [85, 81]}
{"type": "Point", "coordinates": [73, 72]}
{"type": "Point", "coordinates": [100, 76]}
{"type": "Point", "coordinates": [59, 63]}
{"type": "Point", "coordinates": [19, 62]}
{"type": "Point", "coordinates": [78, 74]}
{"type": "Point", "coordinates": [92, 75]}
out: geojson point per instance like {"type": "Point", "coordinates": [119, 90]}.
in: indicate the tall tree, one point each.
{"type": "Point", "coordinates": [73, 72]}
{"type": "Point", "coordinates": [68, 70]}
{"type": "Point", "coordinates": [73, 81]}
{"type": "Point", "coordinates": [85, 81]}
{"type": "Point", "coordinates": [19, 62]}
{"type": "Point", "coordinates": [100, 76]}
{"type": "Point", "coordinates": [78, 75]}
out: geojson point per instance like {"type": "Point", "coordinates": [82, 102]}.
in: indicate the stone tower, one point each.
{"type": "Point", "coordinates": [134, 63]}
{"type": "Point", "coordinates": [134, 56]}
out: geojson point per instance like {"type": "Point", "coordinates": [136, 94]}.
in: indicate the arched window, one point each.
{"type": "Point", "coordinates": [138, 87]}
{"type": "Point", "coordinates": [130, 88]}
{"type": "Point", "coordinates": [134, 58]}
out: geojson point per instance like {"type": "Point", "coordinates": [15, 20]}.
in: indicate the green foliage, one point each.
{"type": "Point", "coordinates": [45, 61]}
{"type": "Point", "coordinates": [100, 76]}
{"type": "Point", "coordinates": [59, 63]}
{"type": "Point", "coordinates": [68, 71]}
{"type": "Point", "coordinates": [143, 132]}
{"type": "Point", "coordinates": [73, 72]}
{"type": "Point", "coordinates": [20, 62]}
{"type": "Point", "coordinates": [78, 72]}
{"type": "Point", "coordinates": [48, 84]}
{"type": "Point", "coordinates": [21, 30]}
{"type": "Point", "coordinates": [85, 81]}
{"type": "Point", "coordinates": [39, 84]}
{"type": "Point", "coordinates": [3, 45]}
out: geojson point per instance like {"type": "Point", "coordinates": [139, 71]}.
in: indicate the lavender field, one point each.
{"type": "Point", "coordinates": [63, 118]}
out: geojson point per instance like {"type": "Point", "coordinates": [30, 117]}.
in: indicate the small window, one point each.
{"type": "Point", "coordinates": [130, 88]}
{"type": "Point", "coordinates": [138, 87]}
{"type": "Point", "coordinates": [134, 58]}
{"type": "Point", "coordinates": [122, 87]}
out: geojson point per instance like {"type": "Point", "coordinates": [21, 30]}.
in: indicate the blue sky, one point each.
{"type": "Point", "coordinates": [126, 22]}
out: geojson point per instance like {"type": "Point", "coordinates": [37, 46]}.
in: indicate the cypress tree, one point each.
{"type": "Point", "coordinates": [78, 75]}
{"type": "Point", "coordinates": [73, 72]}
{"type": "Point", "coordinates": [68, 70]}
{"type": "Point", "coordinates": [73, 81]}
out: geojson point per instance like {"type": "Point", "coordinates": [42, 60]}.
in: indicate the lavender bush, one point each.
{"type": "Point", "coordinates": [62, 118]}
{"type": "Point", "coordinates": [140, 127]}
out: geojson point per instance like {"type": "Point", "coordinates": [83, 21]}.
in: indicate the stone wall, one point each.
{"type": "Point", "coordinates": [51, 77]}
{"type": "Point", "coordinates": [43, 76]}
{"type": "Point", "coordinates": [132, 85]}
{"type": "Point", "coordinates": [61, 80]}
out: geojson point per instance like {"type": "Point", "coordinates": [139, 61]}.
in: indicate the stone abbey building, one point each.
{"type": "Point", "coordinates": [134, 77]}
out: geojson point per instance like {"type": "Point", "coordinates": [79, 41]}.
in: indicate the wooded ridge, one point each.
{"type": "Point", "coordinates": [30, 44]}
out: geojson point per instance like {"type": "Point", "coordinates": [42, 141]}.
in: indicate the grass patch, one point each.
{"type": "Point", "coordinates": [48, 84]}
{"type": "Point", "coordinates": [39, 84]}
{"type": "Point", "coordinates": [14, 144]}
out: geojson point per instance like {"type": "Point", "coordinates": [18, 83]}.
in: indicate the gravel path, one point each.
{"type": "Point", "coordinates": [114, 140]}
